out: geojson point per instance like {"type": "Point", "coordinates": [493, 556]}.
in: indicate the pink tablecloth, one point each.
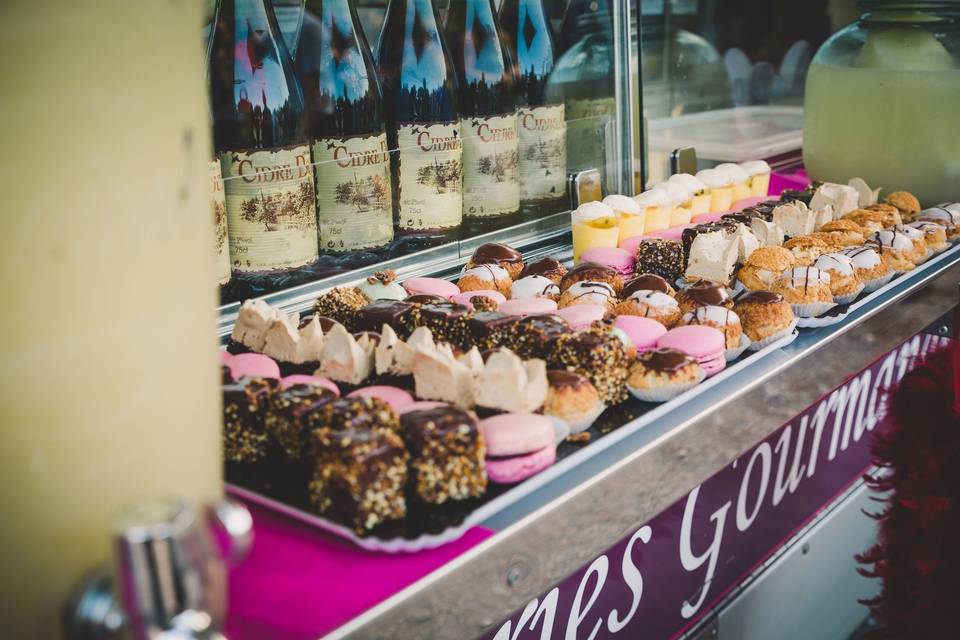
{"type": "Point", "coordinates": [299, 583]}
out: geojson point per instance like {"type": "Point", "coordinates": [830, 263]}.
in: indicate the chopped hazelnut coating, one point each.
{"type": "Point", "coordinates": [597, 355]}
{"type": "Point", "coordinates": [289, 418]}
{"type": "Point", "coordinates": [245, 405]}
{"type": "Point", "coordinates": [446, 454]}
{"type": "Point", "coordinates": [341, 304]}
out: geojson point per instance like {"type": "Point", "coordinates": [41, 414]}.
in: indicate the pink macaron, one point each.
{"type": "Point", "coordinates": [317, 381]}
{"type": "Point", "coordinates": [394, 396]}
{"type": "Point", "coordinates": [422, 405]}
{"type": "Point", "coordinates": [225, 358]}
{"type": "Point", "coordinates": [519, 445]}
{"type": "Point", "coordinates": [465, 297]}
{"type": "Point", "coordinates": [706, 344]}
{"type": "Point", "coordinates": [431, 286]}
{"type": "Point", "coordinates": [581, 316]}
{"type": "Point", "coordinates": [255, 365]}
{"type": "Point", "coordinates": [644, 333]}
{"type": "Point", "coordinates": [527, 306]}
{"type": "Point", "coordinates": [620, 260]}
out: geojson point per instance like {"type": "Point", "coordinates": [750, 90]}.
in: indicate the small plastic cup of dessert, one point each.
{"type": "Point", "coordinates": [656, 205]}
{"type": "Point", "coordinates": [721, 189]}
{"type": "Point", "coordinates": [759, 172]}
{"type": "Point", "coordinates": [740, 178]}
{"type": "Point", "coordinates": [630, 215]}
{"type": "Point", "coordinates": [700, 200]}
{"type": "Point", "coordinates": [594, 224]}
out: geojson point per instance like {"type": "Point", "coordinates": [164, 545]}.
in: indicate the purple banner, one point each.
{"type": "Point", "coordinates": [660, 580]}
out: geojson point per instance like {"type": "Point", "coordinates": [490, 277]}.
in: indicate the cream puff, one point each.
{"type": "Point", "coordinates": [572, 398]}
{"type": "Point", "coordinates": [804, 285]}
{"type": "Point", "coordinates": [655, 305]}
{"type": "Point", "coordinates": [933, 233]}
{"type": "Point", "coordinates": [806, 249]}
{"type": "Point", "coordinates": [764, 266]}
{"type": "Point", "coordinates": [660, 369]}
{"type": "Point", "coordinates": [906, 203]}
{"type": "Point", "coordinates": [844, 280]}
{"type": "Point", "coordinates": [868, 220]}
{"type": "Point", "coordinates": [535, 287]}
{"type": "Point", "coordinates": [500, 255]}
{"type": "Point", "coordinates": [722, 319]}
{"type": "Point", "coordinates": [592, 272]}
{"type": "Point", "coordinates": [868, 263]}
{"type": "Point", "coordinates": [586, 292]}
{"type": "Point", "coordinates": [703, 294]}
{"type": "Point", "coordinates": [895, 248]}
{"type": "Point", "coordinates": [920, 249]}
{"type": "Point", "coordinates": [890, 215]}
{"type": "Point", "coordinates": [763, 314]}
{"type": "Point", "coordinates": [486, 277]}
{"type": "Point", "coordinates": [946, 215]}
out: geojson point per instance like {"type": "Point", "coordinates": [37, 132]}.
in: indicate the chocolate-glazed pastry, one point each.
{"type": "Point", "coordinates": [536, 336]}
{"type": "Point", "coordinates": [599, 356]}
{"type": "Point", "coordinates": [661, 257]}
{"type": "Point", "coordinates": [763, 314]}
{"type": "Point", "coordinates": [245, 406]}
{"type": "Point", "coordinates": [572, 398]}
{"type": "Point", "coordinates": [803, 195]}
{"type": "Point", "coordinates": [341, 304]}
{"type": "Point", "coordinates": [593, 272]}
{"type": "Point", "coordinates": [446, 454]}
{"type": "Point", "coordinates": [446, 320]}
{"type": "Point", "coordinates": [399, 315]}
{"type": "Point", "coordinates": [647, 282]}
{"type": "Point", "coordinates": [546, 267]}
{"type": "Point", "coordinates": [704, 294]}
{"type": "Point", "coordinates": [424, 298]}
{"type": "Point", "coordinates": [499, 254]}
{"type": "Point", "coordinates": [665, 360]}
{"type": "Point", "coordinates": [367, 412]}
{"type": "Point", "coordinates": [660, 370]}
{"type": "Point", "coordinates": [288, 419]}
{"type": "Point", "coordinates": [359, 474]}
{"type": "Point", "coordinates": [487, 330]}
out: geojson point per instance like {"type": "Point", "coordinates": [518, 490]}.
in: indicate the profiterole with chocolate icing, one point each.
{"type": "Point", "coordinates": [498, 254]}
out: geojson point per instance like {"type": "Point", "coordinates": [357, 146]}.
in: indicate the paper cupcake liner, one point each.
{"type": "Point", "coordinates": [561, 428]}
{"type": "Point", "coordinates": [812, 309]}
{"type": "Point", "coordinates": [760, 344]}
{"type": "Point", "coordinates": [850, 297]}
{"type": "Point", "coordinates": [872, 285]}
{"type": "Point", "coordinates": [738, 288]}
{"type": "Point", "coordinates": [732, 354]}
{"type": "Point", "coordinates": [819, 323]}
{"type": "Point", "coordinates": [662, 394]}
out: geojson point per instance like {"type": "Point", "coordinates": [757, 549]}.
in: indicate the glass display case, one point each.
{"type": "Point", "coordinates": [354, 134]}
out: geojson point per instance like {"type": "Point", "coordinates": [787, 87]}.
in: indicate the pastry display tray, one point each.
{"type": "Point", "coordinates": [436, 526]}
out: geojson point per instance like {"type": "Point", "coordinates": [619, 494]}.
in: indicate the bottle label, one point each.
{"type": "Point", "coordinates": [430, 177]}
{"type": "Point", "coordinates": [219, 206]}
{"type": "Point", "coordinates": [271, 215]}
{"type": "Point", "coordinates": [543, 153]}
{"type": "Point", "coordinates": [491, 154]}
{"type": "Point", "coordinates": [586, 132]}
{"type": "Point", "coordinates": [354, 209]}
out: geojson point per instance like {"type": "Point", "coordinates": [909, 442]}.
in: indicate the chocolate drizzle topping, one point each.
{"type": "Point", "coordinates": [648, 282]}
{"type": "Point", "coordinates": [760, 297]}
{"type": "Point", "coordinates": [424, 298]}
{"type": "Point", "coordinates": [495, 253]}
{"type": "Point", "coordinates": [547, 267]}
{"type": "Point", "coordinates": [707, 294]}
{"type": "Point", "coordinates": [665, 360]}
{"type": "Point", "coordinates": [560, 379]}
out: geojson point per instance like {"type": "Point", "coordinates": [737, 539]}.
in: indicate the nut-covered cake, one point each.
{"type": "Point", "coordinates": [245, 405]}
{"type": "Point", "coordinates": [446, 454]}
